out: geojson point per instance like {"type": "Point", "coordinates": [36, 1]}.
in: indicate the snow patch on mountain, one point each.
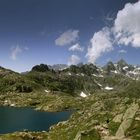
{"type": "Point", "coordinates": [82, 74]}
{"type": "Point", "coordinates": [100, 75]}
{"type": "Point", "coordinates": [82, 94]}
{"type": "Point", "coordinates": [98, 83]}
{"type": "Point", "coordinates": [69, 74]}
{"type": "Point", "coordinates": [114, 71]}
{"type": "Point", "coordinates": [125, 68]}
{"type": "Point", "coordinates": [47, 91]}
{"type": "Point", "coordinates": [109, 88]}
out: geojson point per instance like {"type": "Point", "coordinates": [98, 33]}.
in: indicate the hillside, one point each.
{"type": "Point", "coordinates": [86, 78]}
{"type": "Point", "coordinates": [105, 100]}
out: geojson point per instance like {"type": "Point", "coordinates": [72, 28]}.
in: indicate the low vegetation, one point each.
{"type": "Point", "coordinates": [97, 116]}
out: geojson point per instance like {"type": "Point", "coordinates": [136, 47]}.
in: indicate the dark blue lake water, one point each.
{"type": "Point", "coordinates": [17, 119]}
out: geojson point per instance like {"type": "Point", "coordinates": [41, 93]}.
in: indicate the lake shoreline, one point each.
{"type": "Point", "coordinates": [45, 120]}
{"type": "Point", "coordinates": [40, 102]}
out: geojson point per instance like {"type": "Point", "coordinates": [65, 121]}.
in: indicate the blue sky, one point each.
{"type": "Point", "coordinates": [68, 32]}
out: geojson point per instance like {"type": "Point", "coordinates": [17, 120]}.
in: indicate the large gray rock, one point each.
{"type": "Point", "coordinates": [127, 120]}
{"type": "Point", "coordinates": [118, 118]}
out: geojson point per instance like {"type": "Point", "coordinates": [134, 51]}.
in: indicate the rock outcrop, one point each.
{"type": "Point", "coordinates": [127, 120]}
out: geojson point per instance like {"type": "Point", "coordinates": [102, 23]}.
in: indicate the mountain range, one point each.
{"type": "Point", "coordinates": [105, 99]}
{"type": "Point", "coordinates": [73, 80]}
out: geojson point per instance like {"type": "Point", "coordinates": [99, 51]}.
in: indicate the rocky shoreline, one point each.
{"type": "Point", "coordinates": [104, 116]}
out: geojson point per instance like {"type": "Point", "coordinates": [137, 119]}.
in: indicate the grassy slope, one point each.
{"type": "Point", "coordinates": [94, 116]}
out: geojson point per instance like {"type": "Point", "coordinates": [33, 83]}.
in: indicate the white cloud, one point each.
{"type": "Point", "coordinates": [122, 51]}
{"type": "Point", "coordinates": [74, 60]}
{"type": "Point", "coordinates": [67, 37]}
{"type": "Point", "coordinates": [127, 25]}
{"type": "Point", "coordinates": [100, 43]}
{"type": "Point", "coordinates": [125, 31]}
{"type": "Point", "coordinates": [76, 47]}
{"type": "Point", "coordinates": [15, 51]}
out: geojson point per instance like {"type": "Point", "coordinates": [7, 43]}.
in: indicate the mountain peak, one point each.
{"type": "Point", "coordinates": [58, 66]}
{"type": "Point", "coordinates": [109, 67]}
{"type": "Point", "coordinates": [41, 68]}
{"type": "Point", "coordinates": [122, 62]}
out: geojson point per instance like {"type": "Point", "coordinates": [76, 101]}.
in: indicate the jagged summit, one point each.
{"type": "Point", "coordinates": [73, 79]}
{"type": "Point", "coordinates": [40, 68]}
{"type": "Point", "coordinates": [122, 62]}
{"type": "Point", "coordinates": [109, 67]}
{"type": "Point", "coordinates": [58, 66]}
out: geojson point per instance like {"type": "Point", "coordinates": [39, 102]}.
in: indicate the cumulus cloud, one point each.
{"type": "Point", "coordinates": [122, 51]}
{"type": "Point", "coordinates": [15, 51]}
{"type": "Point", "coordinates": [76, 47]}
{"type": "Point", "coordinates": [100, 43]}
{"type": "Point", "coordinates": [74, 60]}
{"type": "Point", "coordinates": [127, 25]}
{"type": "Point", "coordinates": [124, 31]}
{"type": "Point", "coordinates": [67, 37]}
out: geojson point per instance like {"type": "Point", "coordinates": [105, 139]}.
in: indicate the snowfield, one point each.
{"type": "Point", "coordinates": [82, 94]}
{"type": "Point", "coordinates": [47, 91]}
{"type": "Point", "coordinates": [109, 88]}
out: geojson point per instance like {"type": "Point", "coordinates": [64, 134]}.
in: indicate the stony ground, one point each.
{"type": "Point", "coordinates": [104, 116]}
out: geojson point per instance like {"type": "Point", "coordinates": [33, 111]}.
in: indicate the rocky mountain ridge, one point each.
{"type": "Point", "coordinates": [75, 79]}
{"type": "Point", "coordinates": [105, 100]}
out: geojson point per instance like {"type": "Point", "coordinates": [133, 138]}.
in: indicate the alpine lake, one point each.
{"type": "Point", "coordinates": [14, 119]}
